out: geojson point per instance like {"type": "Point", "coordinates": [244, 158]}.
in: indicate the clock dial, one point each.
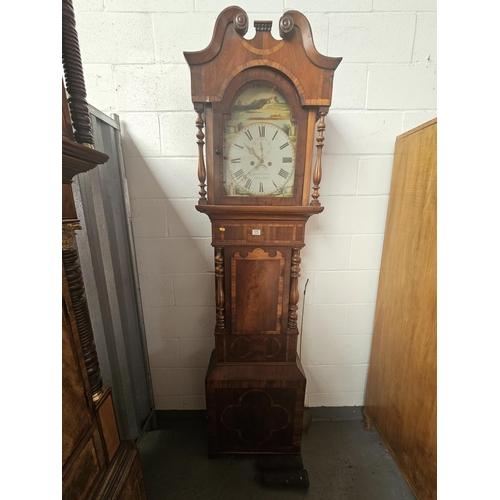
{"type": "Point", "coordinates": [259, 144]}
{"type": "Point", "coordinates": [260, 161]}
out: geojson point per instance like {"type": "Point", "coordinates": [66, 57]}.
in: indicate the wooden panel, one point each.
{"type": "Point", "coordinates": [401, 386]}
{"type": "Point", "coordinates": [257, 291]}
{"type": "Point", "coordinates": [85, 470]}
{"type": "Point", "coordinates": [254, 419]}
{"type": "Point", "coordinates": [133, 487]}
{"type": "Point", "coordinates": [124, 480]}
{"type": "Point", "coordinates": [109, 428]}
{"type": "Point", "coordinates": [254, 407]}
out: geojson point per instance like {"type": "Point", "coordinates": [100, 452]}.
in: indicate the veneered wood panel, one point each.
{"type": "Point", "coordinates": [109, 428]}
{"type": "Point", "coordinates": [254, 407]}
{"type": "Point", "coordinates": [257, 291]}
{"type": "Point", "coordinates": [125, 479]}
{"type": "Point", "coordinates": [83, 473]}
{"type": "Point", "coordinates": [401, 386]}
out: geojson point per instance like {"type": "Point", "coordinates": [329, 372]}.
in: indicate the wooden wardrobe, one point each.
{"type": "Point", "coordinates": [96, 463]}
{"type": "Point", "coordinates": [401, 387]}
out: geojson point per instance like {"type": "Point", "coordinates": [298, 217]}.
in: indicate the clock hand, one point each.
{"type": "Point", "coordinates": [261, 159]}
{"type": "Point", "coordinates": [252, 151]}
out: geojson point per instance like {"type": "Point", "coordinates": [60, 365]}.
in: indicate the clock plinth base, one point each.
{"type": "Point", "coordinates": [254, 408]}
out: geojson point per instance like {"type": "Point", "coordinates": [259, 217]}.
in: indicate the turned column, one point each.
{"type": "Point", "coordinates": [318, 169]}
{"type": "Point", "coordinates": [219, 290]}
{"type": "Point", "coordinates": [202, 172]}
{"type": "Point", "coordinates": [80, 309]}
{"type": "Point", "coordinates": [73, 74]}
{"type": "Point", "coordinates": [294, 291]}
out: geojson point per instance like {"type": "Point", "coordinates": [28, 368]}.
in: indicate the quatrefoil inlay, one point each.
{"type": "Point", "coordinates": [256, 417]}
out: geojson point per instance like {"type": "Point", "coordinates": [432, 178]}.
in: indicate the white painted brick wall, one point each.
{"type": "Point", "coordinates": [385, 85]}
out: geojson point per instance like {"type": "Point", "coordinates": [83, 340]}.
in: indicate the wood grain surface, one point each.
{"type": "Point", "coordinates": [401, 388]}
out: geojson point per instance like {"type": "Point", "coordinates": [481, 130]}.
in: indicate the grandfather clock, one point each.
{"type": "Point", "coordinates": [260, 102]}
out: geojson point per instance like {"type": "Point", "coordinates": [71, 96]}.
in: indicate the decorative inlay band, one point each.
{"type": "Point", "coordinates": [263, 52]}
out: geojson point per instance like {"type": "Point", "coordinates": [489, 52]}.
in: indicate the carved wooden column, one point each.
{"type": "Point", "coordinates": [73, 73]}
{"type": "Point", "coordinates": [219, 290]}
{"type": "Point", "coordinates": [80, 308]}
{"type": "Point", "coordinates": [202, 173]}
{"type": "Point", "coordinates": [294, 291]}
{"type": "Point", "coordinates": [318, 172]}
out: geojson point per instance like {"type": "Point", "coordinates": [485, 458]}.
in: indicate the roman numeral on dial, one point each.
{"type": "Point", "coordinates": [287, 159]}
{"type": "Point", "coordinates": [238, 146]}
{"type": "Point", "coordinates": [248, 134]}
{"type": "Point", "coordinates": [235, 160]}
{"type": "Point", "coordinates": [248, 184]}
{"type": "Point", "coordinates": [239, 173]}
{"type": "Point", "coordinates": [262, 131]}
{"type": "Point", "coordinates": [283, 146]}
{"type": "Point", "coordinates": [283, 173]}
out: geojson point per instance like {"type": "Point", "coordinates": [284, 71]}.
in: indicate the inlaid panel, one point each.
{"type": "Point", "coordinates": [257, 291]}
{"type": "Point", "coordinates": [255, 419]}
{"type": "Point", "coordinates": [256, 347]}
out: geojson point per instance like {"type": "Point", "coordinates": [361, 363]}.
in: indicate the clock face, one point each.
{"type": "Point", "coordinates": [260, 161]}
{"type": "Point", "coordinates": [259, 145]}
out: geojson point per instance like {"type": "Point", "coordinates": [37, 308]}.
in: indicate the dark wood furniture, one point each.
{"type": "Point", "coordinates": [401, 388]}
{"type": "Point", "coordinates": [96, 464]}
{"type": "Point", "coordinates": [260, 101]}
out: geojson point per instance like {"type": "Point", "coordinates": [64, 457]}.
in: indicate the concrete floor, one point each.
{"type": "Point", "coordinates": [343, 460]}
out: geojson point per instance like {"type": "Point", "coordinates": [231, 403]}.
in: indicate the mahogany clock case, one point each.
{"type": "Point", "coordinates": [255, 384]}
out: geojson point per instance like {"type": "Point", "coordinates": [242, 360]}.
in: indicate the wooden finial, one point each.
{"type": "Point", "coordinates": [241, 23]}
{"type": "Point", "coordinates": [286, 25]}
